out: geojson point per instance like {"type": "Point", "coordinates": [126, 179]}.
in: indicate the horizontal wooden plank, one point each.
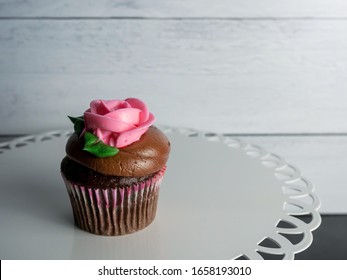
{"type": "Point", "coordinates": [228, 76]}
{"type": "Point", "coordinates": [174, 8]}
{"type": "Point", "coordinates": [321, 159]}
{"type": "Point", "coordinates": [177, 47]}
{"type": "Point", "coordinates": [41, 102]}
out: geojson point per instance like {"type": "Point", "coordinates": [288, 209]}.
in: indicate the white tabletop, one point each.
{"type": "Point", "coordinates": [220, 199]}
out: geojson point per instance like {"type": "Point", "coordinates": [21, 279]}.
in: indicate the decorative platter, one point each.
{"type": "Point", "coordinates": [221, 198]}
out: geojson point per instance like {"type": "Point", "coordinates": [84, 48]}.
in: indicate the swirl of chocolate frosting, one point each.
{"type": "Point", "coordinates": [145, 156]}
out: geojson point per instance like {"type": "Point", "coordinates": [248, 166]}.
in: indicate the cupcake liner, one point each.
{"type": "Point", "coordinates": [115, 211]}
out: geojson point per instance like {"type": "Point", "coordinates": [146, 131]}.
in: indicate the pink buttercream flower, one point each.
{"type": "Point", "coordinates": [118, 123]}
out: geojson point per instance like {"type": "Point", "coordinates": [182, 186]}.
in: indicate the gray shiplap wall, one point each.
{"type": "Point", "coordinates": [259, 68]}
{"type": "Point", "coordinates": [174, 8]}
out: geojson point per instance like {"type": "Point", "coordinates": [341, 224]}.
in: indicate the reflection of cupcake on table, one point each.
{"type": "Point", "coordinates": [115, 162]}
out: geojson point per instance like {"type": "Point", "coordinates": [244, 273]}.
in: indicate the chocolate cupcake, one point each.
{"type": "Point", "coordinates": [115, 162]}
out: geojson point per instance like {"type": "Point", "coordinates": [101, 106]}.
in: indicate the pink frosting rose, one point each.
{"type": "Point", "coordinates": [118, 123]}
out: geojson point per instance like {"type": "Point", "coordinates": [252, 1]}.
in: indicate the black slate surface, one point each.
{"type": "Point", "coordinates": [329, 240]}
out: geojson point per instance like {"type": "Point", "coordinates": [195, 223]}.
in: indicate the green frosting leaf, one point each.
{"type": "Point", "coordinates": [92, 144]}
{"type": "Point", "coordinates": [74, 119]}
{"type": "Point", "coordinates": [96, 147]}
{"type": "Point", "coordinates": [78, 123]}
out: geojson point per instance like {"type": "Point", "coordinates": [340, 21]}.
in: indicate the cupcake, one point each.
{"type": "Point", "coordinates": [114, 164]}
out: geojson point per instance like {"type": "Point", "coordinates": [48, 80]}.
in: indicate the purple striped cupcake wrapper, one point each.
{"type": "Point", "coordinates": [115, 211]}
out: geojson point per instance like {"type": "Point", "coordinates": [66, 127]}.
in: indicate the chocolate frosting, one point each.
{"type": "Point", "coordinates": [145, 156]}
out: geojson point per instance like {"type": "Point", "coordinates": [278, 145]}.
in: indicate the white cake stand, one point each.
{"type": "Point", "coordinates": [221, 199]}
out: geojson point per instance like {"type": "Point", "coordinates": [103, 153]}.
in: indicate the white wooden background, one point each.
{"type": "Point", "coordinates": [271, 72]}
